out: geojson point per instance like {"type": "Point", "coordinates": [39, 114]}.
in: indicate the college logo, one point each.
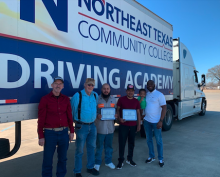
{"type": "Point", "coordinates": [103, 2]}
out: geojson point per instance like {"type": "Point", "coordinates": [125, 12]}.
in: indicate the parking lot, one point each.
{"type": "Point", "coordinates": [191, 149]}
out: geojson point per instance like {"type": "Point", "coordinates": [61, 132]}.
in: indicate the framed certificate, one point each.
{"type": "Point", "coordinates": [129, 114]}
{"type": "Point", "coordinates": [108, 113]}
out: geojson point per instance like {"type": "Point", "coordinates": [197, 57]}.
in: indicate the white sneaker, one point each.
{"type": "Point", "coordinates": [110, 165]}
{"type": "Point", "coordinates": [97, 167]}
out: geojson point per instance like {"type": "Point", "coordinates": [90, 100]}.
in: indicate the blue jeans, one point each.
{"type": "Point", "coordinates": [149, 127]}
{"type": "Point", "coordinates": [104, 141]}
{"type": "Point", "coordinates": [87, 134]}
{"type": "Point", "coordinates": [53, 139]}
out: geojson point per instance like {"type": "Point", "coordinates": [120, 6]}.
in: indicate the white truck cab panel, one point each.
{"type": "Point", "coordinates": [186, 87]}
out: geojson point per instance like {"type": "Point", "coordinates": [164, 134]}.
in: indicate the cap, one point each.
{"type": "Point", "coordinates": [130, 87]}
{"type": "Point", "coordinates": [58, 78]}
{"type": "Point", "coordinates": [90, 81]}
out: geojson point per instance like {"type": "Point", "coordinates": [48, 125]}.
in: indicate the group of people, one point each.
{"type": "Point", "coordinates": [56, 114]}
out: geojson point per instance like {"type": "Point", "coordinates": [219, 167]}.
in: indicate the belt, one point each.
{"type": "Point", "coordinates": [76, 122]}
{"type": "Point", "coordinates": [56, 129]}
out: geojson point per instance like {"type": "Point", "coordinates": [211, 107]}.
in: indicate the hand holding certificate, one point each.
{"type": "Point", "coordinates": [108, 113]}
{"type": "Point", "coordinates": [129, 114]}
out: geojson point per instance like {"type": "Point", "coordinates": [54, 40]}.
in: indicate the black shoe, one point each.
{"type": "Point", "coordinates": [93, 171]}
{"type": "Point", "coordinates": [161, 163]}
{"type": "Point", "coordinates": [149, 160]}
{"type": "Point", "coordinates": [120, 165]}
{"type": "Point", "coordinates": [77, 175]}
{"type": "Point", "coordinates": [131, 162]}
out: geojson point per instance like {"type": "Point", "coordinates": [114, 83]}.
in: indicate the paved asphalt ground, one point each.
{"type": "Point", "coordinates": [191, 149]}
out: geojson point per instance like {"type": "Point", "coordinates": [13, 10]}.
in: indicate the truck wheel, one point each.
{"type": "Point", "coordinates": [203, 108]}
{"type": "Point", "coordinates": [168, 119]}
{"type": "Point", "coordinates": [4, 147]}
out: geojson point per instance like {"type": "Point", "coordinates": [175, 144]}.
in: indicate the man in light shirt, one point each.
{"type": "Point", "coordinates": [154, 115]}
{"type": "Point", "coordinates": [84, 109]}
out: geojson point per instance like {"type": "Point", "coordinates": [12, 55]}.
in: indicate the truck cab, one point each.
{"type": "Point", "coordinates": [187, 91]}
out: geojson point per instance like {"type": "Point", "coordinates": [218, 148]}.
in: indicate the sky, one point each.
{"type": "Point", "coordinates": [197, 23]}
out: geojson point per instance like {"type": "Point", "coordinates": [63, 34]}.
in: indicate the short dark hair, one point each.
{"type": "Point", "coordinates": [142, 90]}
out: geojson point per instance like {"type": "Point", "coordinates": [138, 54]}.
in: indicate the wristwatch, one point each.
{"type": "Point", "coordinates": [161, 120]}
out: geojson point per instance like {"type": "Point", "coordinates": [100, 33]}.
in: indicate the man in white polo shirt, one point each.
{"type": "Point", "coordinates": [155, 112]}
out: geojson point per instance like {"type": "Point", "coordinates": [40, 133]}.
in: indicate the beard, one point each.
{"type": "Point", "coordinates": [106, 96]}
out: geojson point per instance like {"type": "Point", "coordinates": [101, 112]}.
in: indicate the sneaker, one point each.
{"type": "Point", "coordinates": [161, 163]}
{"type": "Point", "coordinates": [93, 171]}
{"type": "Point", "coordinates": [77, 175]}
{"type": "Point", "coordinates": [110, 165]}
{"type": "Point", "coordinates": [131, 162]}
{"type": "Point", "coordinates": [120, 165]}
{"type": "Point", "coordinates": [97, 167]}
{"type": "Point", "coordinates": [149, 160]}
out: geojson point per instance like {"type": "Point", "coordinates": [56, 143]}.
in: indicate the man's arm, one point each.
{"type": "Point", "coordinates": [138, 120]}
{"type": "Point", "coordinates": [119, 117]}
{"type": "Point", "coordinates": [42, 111]}
{"type": "Point", "coordinates": [74, 104]}
{"type": "Point", "coordinates": [70, 120]}
{"type": "Point", "coordinates": [163, 113]}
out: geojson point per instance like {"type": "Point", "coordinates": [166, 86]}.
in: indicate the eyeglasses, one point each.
{"type": "Point", "coordinates": [58, 84]}
{"type": "Point", "coordinates": [90, 85]}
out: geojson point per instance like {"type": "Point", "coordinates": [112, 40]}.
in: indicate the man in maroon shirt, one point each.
{"type": "Point", "coordinates": [54, 119]}
{"type": "Point", "coordinates": [127, 129]}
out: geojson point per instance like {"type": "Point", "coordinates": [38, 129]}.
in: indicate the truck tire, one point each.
{"type": "Point", "coordinates": [4, 147]}
{"type": "Point", "coordinates": [168, 119]}
{"type": "Point", "coordinates": [203, 108]}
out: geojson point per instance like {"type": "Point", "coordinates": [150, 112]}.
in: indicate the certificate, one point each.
{"type": "Point", "coordinates": [108, 113]}
{"type": "Point", "coordinates": [129, 114]}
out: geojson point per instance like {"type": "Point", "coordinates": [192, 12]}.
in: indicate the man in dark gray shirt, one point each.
{"type": "Point", "coordinates": [105, 129]}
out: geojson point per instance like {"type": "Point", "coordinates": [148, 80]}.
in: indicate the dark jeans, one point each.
{"type": "Point", "coordinates": [106, 142]}
{"type": "Point", "coordinates": [87, 134]}
{"type": "Point", "coordinates": [142, 131]}
{"type": "Point", "coordinates": [149, 128]}
{"type": "Point", "coordinates": [53, 139]}
{"type": "Point", "coordinates": [126, 132]}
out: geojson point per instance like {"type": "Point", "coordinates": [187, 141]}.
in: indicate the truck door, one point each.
{"type": "Point", "coordinates": [197, 94]}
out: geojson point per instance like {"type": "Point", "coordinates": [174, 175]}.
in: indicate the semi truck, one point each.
{"type": "Point", "coordinates": [119, 42]}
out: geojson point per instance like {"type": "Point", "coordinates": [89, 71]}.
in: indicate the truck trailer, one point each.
{"type": "Point", "coordinates": [119, 42]}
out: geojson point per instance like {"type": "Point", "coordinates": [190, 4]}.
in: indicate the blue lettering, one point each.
{"type": "Point", "coordinates": [149, 51]}
{"type": "Point", "coordinates": [27, 10]}
{"type": "Point", "coordinates": [155, 33]}
{"type": "Point", "coordinates": [115, 39]}
{"type": "Point", "coordinates": [139, 27]}
{"type": "Point", "coordinates": [109, 36]}
{"type": "Point", "coordinates": [126, 48]}
{"type": "Point", "coordinates": [95, 10]}
{"type": "Point", "coordinates": [145, 30]}
{"type": "Point", "coordinates": [109, 11]}
{"type": "Point", "coordinates": [144, 46]}
{"type": "Point", "coordinates": [133, 45]}
{"type": "Point", "coordinates": [167, 40]}
{"type": "Point", "coordinates": [131, 22]}
{"type": "Point", "coordinates": [58, 13]}
{"type": "Point", "coordinates": [97, 30]}
{"type": "Point", "coordinates": [80, 30]}
{"type": "Point", "coordinates": [171, 41]}
{"type": "Point", "coordinates": [149, 29]}
{"type": "Point", "coordinates": [117, 14]}
{"type": "Point", "coordinates": [87, 3]}
{"type": "Point", "coordinates": [163, 40]}
{"type": "Point", "coordinates": [155, 49]}
{"type": "Point", "coordinates": [124, 19]}
{"type": "Point", "coordinates": [164, 55]}
{"type": "Point", "coordinates": [159, 36]}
